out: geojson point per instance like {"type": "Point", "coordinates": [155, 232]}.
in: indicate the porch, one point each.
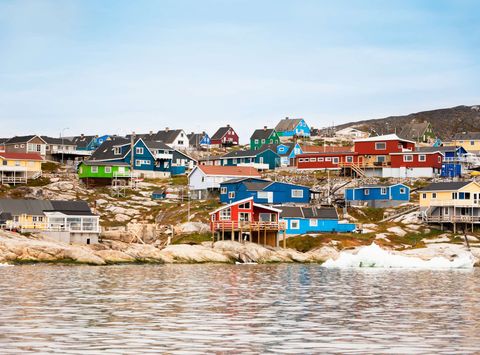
{"type": "Point", "coordinates": [264, 233]}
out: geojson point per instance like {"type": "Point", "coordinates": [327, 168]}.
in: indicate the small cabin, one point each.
{"type": "Point", "coordinates": [379, 196]}
{"type": "Point", "coordinates": [246, 220]}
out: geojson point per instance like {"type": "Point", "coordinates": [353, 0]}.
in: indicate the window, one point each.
{"type": "Point", "coordinates": [94, 169]}
{"type": "Point", "coordinates": [380, 146]}
{"type": "Point", "coordinates": [267, 217]}
{"type": "Point", "coordinates": [313, 222]}
{"type": "Point", "coordinates": [223, 190]}
{"type": "Point", "coordinates": [349, 159]}
{"type": "Point", "coordinates": [235, 161]}
{"type": "Point", "coordinates": [424, 195]}
{"type": "Point", "coordinates": [34, 218]}
{"type": "Point", "coordinates": [244, 216]}
{"type": "Point", "coordinates": [297, 193]}
{"type": "Point", "coordinates": [231, 194]}
{"type": "Point", "coordinates": [402, 190]}
{"type": "Point", "coordinates": [422, 157]}
{"type": "Point", "coordinates": [439, 159]}
{"type": "Point", "coordinates": [467, 195]}
{"type": "Point", "coordinates": [244, 206]}
{"type": "Point", "coordinates": [256, 141]}
{"type": "Point", "coordinates": [445, 211]}
{"type": "Point", "coordinates": [139, 150]}
{"type": "Point", "coordinates": [225, 214]}
{"type": "Point", "coordinates": [263, 140]}
{"type": "Point", "coordinates": [117, 151]}
{"type": "Point", "coordinates": [366, 192]}
{"type": "Point", "coordinates": [407, 158]}
{"type": "Point", "coordinates": [320, 160]}
{"type": "Point", "coordinates": [472, 142]}
{"type": "Point", "coordinates": [434, 195]}
{"type": "Point", "coordinates": [335, 160]}
{"type": "Point", "coordinates": [180, 142]}
{"type": "Point", "coordinates": [300, 160]}
{"type": "Point", "coordinates": [138, 162]}
{"type": "Point", "coordinates": [454, 195]}
{"type": "Point", "coordinates": [383, 191]}
{"type": "Point", "coordinates": [328, 159]}
{"type": "Point", "coordinates": [294, 224]}
{"type": "Point", "coordinates": [313, 160]}
{"type": "Point", "coordinates": [16, 145]}
{"type": "Point", "coordinates": [108, 169]}
{"type": "Point", "coordinates": [263, 195]}
{"type": "Point", "coordinates": [380, 158]}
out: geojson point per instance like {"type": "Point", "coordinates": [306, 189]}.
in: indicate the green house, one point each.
{"type": "Point", "coordinates": [96, 171]}
{"type": "Point", "coordinates": [263, 136]}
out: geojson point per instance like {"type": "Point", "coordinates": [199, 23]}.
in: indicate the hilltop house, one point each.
{"type": "Point", "coordinates": [263, 159]}
{"type": "Point", "coordinates": [199, 140]}
{"type": "Point", "coordinates": [263, 191]}
{"type": "Point", "coordinates": [26, 144]}
{"type": "Point", "coordinates": [470, 141]}
{"type": "Point", "coordinates": [89, 143]}
{"type": "Point", "coordinates": [65, 221]}
{"type": "Point", "coordinates": [64, 150]}
{"type": "Point", "coordinates": [205, 180]}
{"type": "Point", "coordinates": [351, 133]}
{"type": "Point", "coordinates": [247, 220]}
{"type": "Point", "coordinates": [174, 138]}
{"type": "Point", "coordinates": [378, 196]}
{"type": "Point", "coordinates": [451, 204]}
{"type": "Point", "coordinates": [94, 173]}
{"type": "Point", "coordinates": [263, 136]}
{"type": "Point", "coordinates": [292, 127]}
{"type": "Point", "coordinates": [287, 152]}
{"type": "Point", "coordinates": [381, 156]}
{"type": "Point", "coordinates": [18, 168]}
{"type": "Point", "coordinates": [420, 132]}
{"type": "Point", "coordinates": [225, 137]}
{"type": "Point", "coordinates": [305, 220]}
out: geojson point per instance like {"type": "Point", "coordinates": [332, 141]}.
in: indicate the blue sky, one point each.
{"type": "Point", "coordinates": [115, 66]}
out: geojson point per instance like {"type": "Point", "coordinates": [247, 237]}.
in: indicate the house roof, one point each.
{"type": "Point", "coordinates": [155, 144]}
{"type": "Point", "coordinates": [257, 185]}
{"type": "Point", "coordinates": [375, 186]}
{"type": "Point", "coordinates": [82, 141]}
{"type": "Point", "coordinates": [325, 149]}
{"type": "Point", "coordinates": [38, 207]}
{"type": "Point", "coordinates": [414, 130]}
{"type": "Point", "coordinates": [240, 179]}
{"type": "Point", "coordinates": [262, 133]}
{"type": "Point", "coordinates": [21, 156]}
{"type": "Point", "coordinates": [106, 152]}
{"type": "Point", "coordinates": [220, 133]}
{"type": "Point", "coordinates": [228, 170]}
{"type": "Point", "coordinates": [288, 124]}
{"type": "Point", "coordinates": [467, 136]}
{"type": "Point", "coordinates": [195, 138]}
{"type": "Point", "coordinates": [21, 139]}
{"type": "Point", "coordinates": [167, 136]}
{"type": "Point", "coordinates": [248, 199]}
{"type": "Point", "coordinates": [386, 137]}
{"type": "Point", "coordinates": [442, 149]}
{"type": "Point", "coordinates": [61, 141]}
{"type": "Point", "coordinates": [249, 152]}
{"type": "Point", "coordinates": [446, 186]}
{"type": "Point", "coordinates": [103, 163]}
{"type": "Point", "coordinates": [308, 212]}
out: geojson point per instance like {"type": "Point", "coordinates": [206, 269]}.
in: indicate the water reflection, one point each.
{"type": "Point", "coordinates": [244, 308]}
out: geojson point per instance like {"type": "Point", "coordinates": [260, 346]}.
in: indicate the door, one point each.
{"type": "Point", "coordinates": [270, 196]}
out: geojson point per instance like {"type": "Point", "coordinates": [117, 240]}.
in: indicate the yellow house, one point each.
{"type": "Point", "coordinates": [17, 168]}
{"type": "Point", "coordinates": [470, 141]}
{"type": "Point", "coordinates": [451, 203]}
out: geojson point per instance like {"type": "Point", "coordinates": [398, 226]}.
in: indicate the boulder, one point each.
{"type": "Point", "coordinates": [191, 227]}
{"type": "Point", "coordinates": [184, 253]}
{"type": "Point", "coordinates": [397, 231]}
{"type": "Point", "coordinates": [114, 256]}
{"type": "Point", "coordinates": [322, 254]}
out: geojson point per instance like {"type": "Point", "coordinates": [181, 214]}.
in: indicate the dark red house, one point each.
{"type": "Point", "coordinates": [246, 220]}
{"type": "Point", "coordinates": [225, 137]}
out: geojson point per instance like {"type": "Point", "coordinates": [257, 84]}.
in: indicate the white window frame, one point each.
{"type": "Point", "coordinates": [223, 190]}
{"type": "Point", "coordinates": [349, 159]}
{"type": "Point", "coordinates": [297, 193]}
{"type": "Point", "coordinates": [383, 191]}
{"type": "Point", "coordinates": [313, 222]}
{"type": "Point", "coordinates": [422, 158]}
{"type": "Point", "coordinates": [224, 216]}
{"type": "Point", "coordinates": [403, 190]}
{"type": "Point", "coordinates": [328, 159]}
{"type": "Point", "coordinates": [434, 195]}
{"type": "Point", "coordinates": [366, 192]}
{"type": "Point", "coordinates": [383, 144]}
{"type": "Point", "coordinates": [108, 170]}
{"type": "Point", "coordinates": [231, 194]}
{"type": "Point", "coordinates": [335, 160]}
{"type": "Point", "coordinates": [407, 158]}
{"type": "Point", "coordinates": [94, 170]}
{"type": "Point", "coordinates": [294, 224]}
{"type": "Point", "coordinates": [139, 150]}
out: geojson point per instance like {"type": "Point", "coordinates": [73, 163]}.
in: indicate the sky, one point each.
{"type": "Point", "coordinates": [115, 66]}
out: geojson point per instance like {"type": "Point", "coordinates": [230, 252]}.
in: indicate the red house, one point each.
{"type": "Point", "coordinates": [382, 145]}
{"type": "Point", "coordinates": [417, 160]}
{"type": "Point", "coordinates": [325, 160]}
{"type": "Point", "coordinates": [246, 220]}
{"type": "Point", "coordinates": [225, 137]}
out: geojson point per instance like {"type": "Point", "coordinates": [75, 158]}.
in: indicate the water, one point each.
{"type": "Point", "coordinates": [237, 309]}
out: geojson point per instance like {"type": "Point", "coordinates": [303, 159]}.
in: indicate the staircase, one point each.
{"type": "Point", "coordinates": [358, 170]}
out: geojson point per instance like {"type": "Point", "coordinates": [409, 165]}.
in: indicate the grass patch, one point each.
{"type": "Point", "coordinates": [50, 167]}
{"type": "Point", "coordinates": [367, 214]}
{"type": "Point", "coordinates": [179, 180]}
{"type": "Point", "coordinates": [193, 239]}
{"type": "Point", "coordinates": [41, 181]}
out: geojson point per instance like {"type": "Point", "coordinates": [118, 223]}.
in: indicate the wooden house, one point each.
{"type": "Point", "coordinates": [451, 204]}
{"type": "Point", "coordinates": [263, 136]}
{"type": "Point", "coordinates": [470, 141]}
{"type": "Point", "coordinates": [264, 158]}
{"type": "Point", "coordinates": [199, 140]}
{"type": "Point", "coordinates": [263, 191]}
{"type": "Point", "coordinates": [420, 132]}
{"type": "Point", "coordinates": [225, 137]}
{"type": "Point", "coordinates": [18, 168]}
{"type": "Point", "coordinates": [292, 127]}
{"type": "Point", "coordinates": [379, 196]}
{"type": "Point", "coordinates": [245, 220]}
{"type": "Point", "coordinates": [98, 173]}
{"type": "Point", "coordinates": [312, 220]}
{"type": "Point", "coordinates": [26, 144]}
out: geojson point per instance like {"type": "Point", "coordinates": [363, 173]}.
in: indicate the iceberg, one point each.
{"type": "Point", "coordinates": [373, 256]}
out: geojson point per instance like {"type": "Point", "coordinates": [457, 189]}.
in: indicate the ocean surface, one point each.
{"type": "Point", "coordinates": [133, 309]}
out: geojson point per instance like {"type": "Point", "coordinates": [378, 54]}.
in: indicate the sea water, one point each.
{"type": "Point", "coordinates": [248, 309]}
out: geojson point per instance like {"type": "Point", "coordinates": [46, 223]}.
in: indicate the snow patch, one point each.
{"type": "Point", "coordinates": [374, 256]}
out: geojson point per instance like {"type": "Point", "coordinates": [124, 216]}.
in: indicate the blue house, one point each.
{"type": "Point", "coordinates": [262, 159]}
{"type": "Point", "coordinates": [288, 152]}
{"type": "Point", "coordinates": [305, 220]}
{"type": "Point", "coordinates": [453, 159]}
{"type": "Point", "coordinates": [290, 127]}
{"type": "Point", "coordinates": [263, 191]}
{"type": "Point", "coordinates": [199, 140]}
{"type": "Point", "coordinates": [378, 195]}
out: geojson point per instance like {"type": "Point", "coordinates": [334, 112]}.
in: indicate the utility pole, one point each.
{"type": "Point", "coordinates": [132, 143]}
{"type": "Point", "coordinates": [61, 137]}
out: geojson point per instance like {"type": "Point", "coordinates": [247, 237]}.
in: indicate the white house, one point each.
{"type": "Point", "coordinates": [351, 133]}
{"type": "Point", "coordinates": [174, 138]}
{"type": "Point", "coordinates": [204, 179]}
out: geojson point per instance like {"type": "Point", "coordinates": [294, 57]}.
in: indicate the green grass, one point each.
{"type": "Point", "coordinates": [367, 214]}
{"type": "Point", "coordinates": [196, 238]}
{"type": "Point", "coordinates": [50, 167]}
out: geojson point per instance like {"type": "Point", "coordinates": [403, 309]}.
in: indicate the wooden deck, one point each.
{"type": "Point", "coordinates": [264, 233]}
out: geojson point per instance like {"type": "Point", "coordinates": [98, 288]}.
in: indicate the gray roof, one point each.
{"type": "Point", "coordinates": [105, 151]}
{"type": "Point", "coordinates": [103, 163]}
{"type": "Point", "coordinates": [167, 136]}
{"type": "Point", "coordinates": [20, 139]}
{"type": "Point", "coordinates": [82, 141]}
{"type": "Point", "coordinates": [156, 145]}
{"type": "Point", "coordinates": [263, 133]}
{"type": "Point", "coordinates": [467, 136]}
{"type": "Point", "coordinates": [249, 152]}
{"type": "Point", "coordinates": [38, 207]}
{"type": "Point", "coordinates": [308, 212]}
{"type": "Point", "coordinates": [442, 149]}
{"type": "Point", "coordinates": [220, 133]}
{"type": "Point", "coordinates": [445, 186]}
{"type": "Point", "coordinates": [413, 131]}
{"type": "Point", "coordinates": [287, 124]}
{"type": "Point", "coordinates": [61, 141]}
{"type": "Point", "coordinates": [257, 185]}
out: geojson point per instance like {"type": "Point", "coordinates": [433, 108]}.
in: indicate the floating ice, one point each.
{"type": "Point", "coordinates": [374, 256]}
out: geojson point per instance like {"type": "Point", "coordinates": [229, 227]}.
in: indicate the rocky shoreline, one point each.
{"type": "Point", "coordinates": [17, 249]}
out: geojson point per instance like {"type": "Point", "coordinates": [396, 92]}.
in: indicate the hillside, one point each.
{"type": "Point", "coordinates": [445, 122]}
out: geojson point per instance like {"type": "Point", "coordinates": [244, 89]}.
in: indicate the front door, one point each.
{"type": "Point", "coordinates": [270, 196]}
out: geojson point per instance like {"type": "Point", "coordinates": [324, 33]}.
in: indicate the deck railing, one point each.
{"type": "Point", "coordinates": [452, 219]}
{"type": "Point", "coordinates": [247, 225]}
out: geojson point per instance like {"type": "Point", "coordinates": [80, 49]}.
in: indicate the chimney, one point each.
{"type": "Point", "coordinates": [167, 129]}
{"type": "Point", "coordinates": [228, 125]}
{"type": "Point", "coordinates": [192, 133]}
{"type": "Point", "coordinates": [82, 135]}
{"type": "Point", "coordinates": [151, 133]}
{"type": "Point", "coordinates": [286, 118]}
{"type": "Point", "coordinates": [203, 132]}
{"type": "Point", "coordinates": [264, 128]}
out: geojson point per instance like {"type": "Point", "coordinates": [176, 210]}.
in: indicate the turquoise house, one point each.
{"type": "Point", "coordinates": [293, 127]}
{"type": "Point", "coordinates": [263, 158]}
{"type": "Point", "coordinates": [311, 220]}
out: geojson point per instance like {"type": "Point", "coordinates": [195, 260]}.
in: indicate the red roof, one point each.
{"type": "Point", "coordinates": [21, 156]}
{"type": "Point", "coordinates": [324, 149]}
{"type": "Point", "coordinates": [229, 170]}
